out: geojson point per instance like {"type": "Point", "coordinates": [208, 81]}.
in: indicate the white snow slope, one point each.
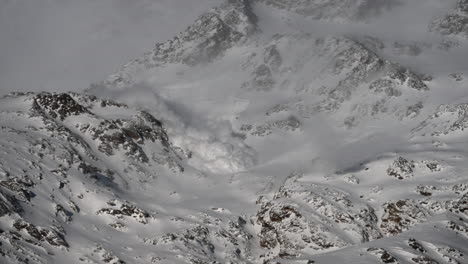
{"type": "Point", "coordinates": [268, 131]}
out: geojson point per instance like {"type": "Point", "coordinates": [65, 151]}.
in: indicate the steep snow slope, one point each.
{"type": "Point", "coordinates": [233, 143]}
{"type": "Point", "coordinates": [80, 174]}
{"type": "Point", "coordinates": [94, 181]}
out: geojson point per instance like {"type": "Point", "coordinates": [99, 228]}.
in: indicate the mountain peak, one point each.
{"type": "Point", "coordinates": [206, 39]}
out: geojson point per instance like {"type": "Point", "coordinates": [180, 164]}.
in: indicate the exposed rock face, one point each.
{"type": "Point", "coordinates": [454, 23]}
{"type": "Point", "coordinates": [401, 168]}
{"type": "Point", "coordinates": [129, 135]}
{"type": "Point", "coordinates": [312, 211]}
{"type": "Point", "coordinates": [289, 124]}
{"type": "Point", "coordinates": [216, 241]}
{"type": "Point", "coordinates": [328, 219]}
{"type": "Point", "coordinates": [57, 141]}
{"type": "Point", "coordinates": [348, 79]}
{"type": "Point", "coordinates": [127, 210]}
{"type": "Point", "coordinates": [462, 204]}
{"type": "Point", "coordinates": [401, 215]}
{"type": "Point", "coordinates": [205, 40]}
{"type": "Point", "coordinates": [52, 236]}
{"type": "Point", "coordinates": [360, 66]}
{"type": "Point", "coordinates": [9, 204]}
{"type": "Point", "coordinates": [384, 256]}
{"type": "Point", "coordinates": [187, 197]}
{"type": "Point", "coordinates": [111, 135]}
{"type": "Point", "coordinates": [58, 105]}
{"type": "Point", "coordinates": [449, 119]}
{"type": "Point", "coordinates": [348, 76]}
{"type": "Point", "coordinates": [19, 186]}
{"type": "Point", "coordinates": [413, 243]}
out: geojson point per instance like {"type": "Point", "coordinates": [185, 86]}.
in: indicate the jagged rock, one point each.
{"type": "Point", "coordinates": [352, 179]}
{"type": "Point", "coordinates": [127, 210]}
{"type": "Point", "coordinates": [458, 227]}
{"type": "Point", "coordinates": [462, 204]}
{"type": "Point", "coordinates": [290, 124]}
{"type": "Point", "coordinates": [112, 135]}
{"type": "Point", "coordinates": [14, 248]}
{"type": "Point", "coordinates": [107, 256]}
{"type": "Point", "coordinates": [413, 243]}
{"type": "Point", "coordinates": [58, 105]}
{"type": "Point", "coordinates": [206, 39]}
{"type": "Point", "coordinates": [262, 131]}
{"type": "Point", "coordinates": [454, 23]}
{"type": "Point", "coordinates": [399, 216]}
{"type": "Point", "coordinates": [51, 166]}
{"type": "Point", "coordinates": [401, 168]}
{"type": "Point", "coordinates": [276, 221]}
{"type": "Point", "coordinates": [460, 188]}
{"type": "Point", "coordinates": [383, 254]}
{"type": "Point", "coordinates": [424, 260]}
{"type": "Point", "coordinates": [9, 204]}
{"type": "Point", "coordinates": [448, 119]}
{"type": "Point", "coordinates": [80, 150]}
{"type": "Point", "coordinates": [215, 241]}
{"type": "Point", "coordinates": [425, 190]}
{"type": "Point", "coordinates": [451, 255]}
{"type": "Point", "coordinates": [277, 109]}
{"type": "Point", "coordinates": [73, 206]}
{"type": "Point", "coordinates": [62, 213]}
{"type": "Point", "coordinates": [433, 166]}
{"type": "Point", "coordinates": [386, 86]}
{"type": "Point", "coordinates": [282, 218]}
{"type": "Point", "coordinates": [129, 135]}
{"type": "Point", "coordinates": [353, 67]}
{"type": "Point", "coordinates": [118, 226]}
{"type": "Point", "coordinates": [19, 186]}
{"type": "Point", "coordinates": [53, 236]}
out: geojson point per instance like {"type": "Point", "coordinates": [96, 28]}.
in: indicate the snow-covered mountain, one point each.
{"type": "Point", "coordinates": [266, 132]}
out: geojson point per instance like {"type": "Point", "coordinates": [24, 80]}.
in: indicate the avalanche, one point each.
{"type": "Point", "coordinates": [266, 132]}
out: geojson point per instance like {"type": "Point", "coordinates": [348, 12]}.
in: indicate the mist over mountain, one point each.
{"type": "Point", "coordinates": [64, 45]}
{"type": "Point", "coordinates": [250, 131]}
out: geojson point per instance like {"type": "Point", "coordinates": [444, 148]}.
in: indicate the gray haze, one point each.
{"type": "Point", "coordinates": [61, 45]}
{"type": "Point", "coordinates": [67, 44]}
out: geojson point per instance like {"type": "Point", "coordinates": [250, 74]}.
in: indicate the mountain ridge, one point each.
{"type": "Point", "coordinates": [228, 145]}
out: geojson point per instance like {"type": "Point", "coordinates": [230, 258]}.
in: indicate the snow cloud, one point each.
{"type": "Point", "coordinates": [214, 146]}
